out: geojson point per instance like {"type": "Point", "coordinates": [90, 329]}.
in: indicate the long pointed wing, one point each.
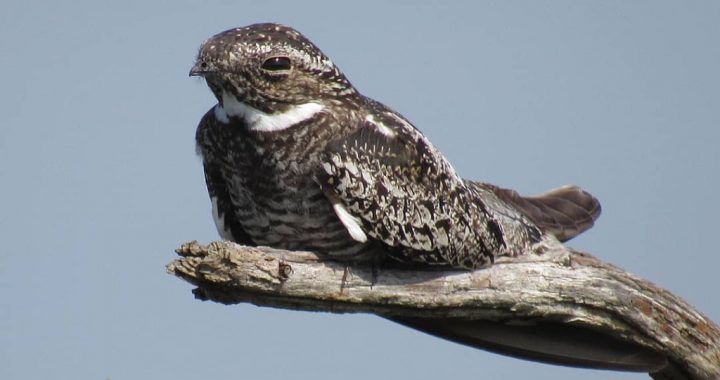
{"type": "Point", "coordinates": [397, 188]}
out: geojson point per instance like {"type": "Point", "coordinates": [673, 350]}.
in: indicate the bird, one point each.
{"type": "Point", "coordinates": [296, 158]}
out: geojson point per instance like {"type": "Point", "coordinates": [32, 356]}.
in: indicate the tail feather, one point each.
{"type": "Point", "coordinates": [564, 212]}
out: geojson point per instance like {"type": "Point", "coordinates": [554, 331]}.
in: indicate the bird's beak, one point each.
{"type": "Point", "coordinates": [198, 69]}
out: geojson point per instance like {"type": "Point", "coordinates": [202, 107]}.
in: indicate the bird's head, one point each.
{"type": "Point", "coordinates": [269, 67]}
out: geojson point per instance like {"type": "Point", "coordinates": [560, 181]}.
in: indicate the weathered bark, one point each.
{"type": "Point", "coordinates": [560, 288]}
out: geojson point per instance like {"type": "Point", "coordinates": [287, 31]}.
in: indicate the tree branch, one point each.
{"type": "Point", "coordinates": [560, 293]}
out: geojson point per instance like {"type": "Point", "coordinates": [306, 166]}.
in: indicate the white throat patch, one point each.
{"type": "Point", "coordinates": [258, 120]}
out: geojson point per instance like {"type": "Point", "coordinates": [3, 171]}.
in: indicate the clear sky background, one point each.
{"type": "Point", "coordinates": [100, 181]}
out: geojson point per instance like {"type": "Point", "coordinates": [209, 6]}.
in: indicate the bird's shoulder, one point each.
{"type": "Point", "coordinates": [387, 145]}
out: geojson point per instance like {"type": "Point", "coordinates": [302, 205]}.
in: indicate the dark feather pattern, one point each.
{"type": "Point", "coordinates": [223, 208]}
{"type": "Point", "coordinates": [407, 195]}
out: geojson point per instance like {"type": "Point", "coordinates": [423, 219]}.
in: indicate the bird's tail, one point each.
{"type": "Point", "coordinates": [564, 212]}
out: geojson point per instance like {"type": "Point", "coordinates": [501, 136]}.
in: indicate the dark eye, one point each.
{"type": "Point", "coordinates": [277, 64]}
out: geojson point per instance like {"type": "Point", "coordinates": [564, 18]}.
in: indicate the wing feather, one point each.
{"type": "Point", "coordinates": [404, 193]}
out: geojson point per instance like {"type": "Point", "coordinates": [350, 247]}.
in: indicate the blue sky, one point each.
{"type": "Point", "coordinates": [100, 181]}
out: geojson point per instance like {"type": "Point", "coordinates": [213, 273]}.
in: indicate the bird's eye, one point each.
{"type": "Point", "coordinates": [277, 64]}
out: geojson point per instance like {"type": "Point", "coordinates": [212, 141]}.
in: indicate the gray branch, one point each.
{"type": "Point", "coordinates": [561, 288]}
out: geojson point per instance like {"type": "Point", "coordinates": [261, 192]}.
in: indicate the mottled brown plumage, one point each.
{"type": "Point", "coordinates": [296, 158]}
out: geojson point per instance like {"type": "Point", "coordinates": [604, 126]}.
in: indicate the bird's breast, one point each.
{"type": "Point", "coordinates": [275, 197]}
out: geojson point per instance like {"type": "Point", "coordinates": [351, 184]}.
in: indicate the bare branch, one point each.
{"type": "Point", "coordinates": [561, 290]}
